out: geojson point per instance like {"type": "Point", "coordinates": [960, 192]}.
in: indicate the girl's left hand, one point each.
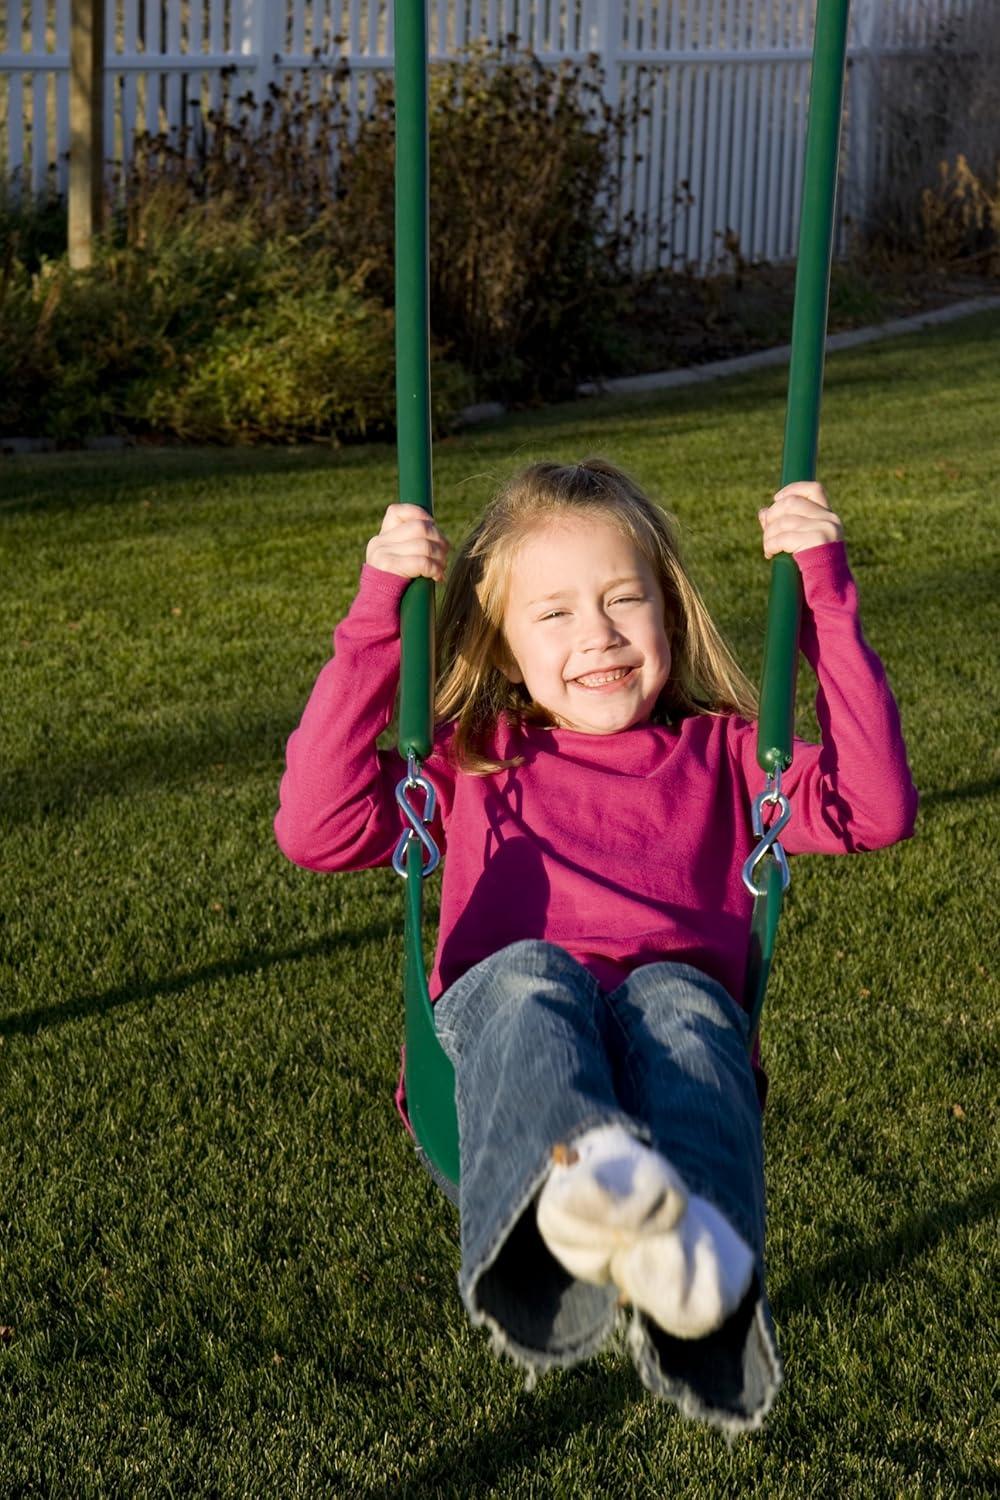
{"type": "Point", "coordinates": [799, 517]}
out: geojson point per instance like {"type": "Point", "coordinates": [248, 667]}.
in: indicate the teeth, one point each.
{"type": "Point", "coordinates": [598, 679]}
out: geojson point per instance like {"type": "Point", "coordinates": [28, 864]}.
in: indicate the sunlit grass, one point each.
{"type": "Point", "coordinates": [221, 1271]}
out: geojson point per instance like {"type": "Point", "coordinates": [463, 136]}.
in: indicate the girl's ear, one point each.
{"type": "Point", "coordinates": [505, 663]}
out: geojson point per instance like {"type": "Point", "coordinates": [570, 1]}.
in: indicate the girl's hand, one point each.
{"type": "Point", "coordinates": [409, 544]}
{"type": "Point", "coordinates": [799, 517]}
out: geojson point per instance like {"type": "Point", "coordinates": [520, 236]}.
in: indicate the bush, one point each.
{"type": "Point", "coordinates": [524, 263]}
{"type": "Point", "coordinates": [32, 228]}
{"type": "Point", "coordinates": [524, 260]}
{"type": "Point", "coordinates": [242, 294]}
{"type": "Point", "coordinates": [960, 217]}
{"type": "Point", "coordinates": [276, 160]}
{"type": "Point", "coordinates": [70, 345]}
{"type": "Point", "coordinates": [161, 336]}
{"type": "Point", "coordinates": [312, 364]}
{"type": "Point", "coordinates": [943, 147]}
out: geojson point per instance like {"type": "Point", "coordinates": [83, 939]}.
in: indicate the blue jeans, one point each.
{"type": "Point", "coordinates": [541, 1054]}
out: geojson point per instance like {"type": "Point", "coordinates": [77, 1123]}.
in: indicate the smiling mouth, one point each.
{"type": "Point", "coordinates": [603, 679]}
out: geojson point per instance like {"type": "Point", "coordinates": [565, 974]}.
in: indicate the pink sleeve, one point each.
{"type": "Point", "coordinates": [338, 809]}
{"type": "Point", "coordinates": [854, 790]}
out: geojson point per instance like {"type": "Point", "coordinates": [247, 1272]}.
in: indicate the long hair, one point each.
{"type": "Point", "coordinates": [472, 689]}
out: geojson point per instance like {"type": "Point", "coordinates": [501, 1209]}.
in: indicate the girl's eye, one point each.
{"type": "Point", "coordinates": [554, 614]}
{"type": "Point", "coordinates": [628, 599]}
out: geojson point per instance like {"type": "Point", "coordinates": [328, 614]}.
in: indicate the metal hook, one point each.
{"type": "Point", "coordinates": [418, 829]}
{"type": "Point", "coordinates": [771, 796]}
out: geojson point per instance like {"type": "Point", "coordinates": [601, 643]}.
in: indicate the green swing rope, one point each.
{"type": "Point", "coordinates": [430, 1078]}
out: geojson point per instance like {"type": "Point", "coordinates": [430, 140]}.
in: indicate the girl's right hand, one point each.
{"type": "Point", "coordinates": [408, 544]}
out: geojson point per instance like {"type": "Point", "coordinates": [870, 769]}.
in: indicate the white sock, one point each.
{"type": "Point", "coordinates": [611, 1209]}
{"type": "Point", "coordinates": [601, 1193]}
{"type": "Point", "coordinates": [690, 1279]}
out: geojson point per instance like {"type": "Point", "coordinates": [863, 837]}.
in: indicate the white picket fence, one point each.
{"type": "Point", "coordinates": [723, 85]}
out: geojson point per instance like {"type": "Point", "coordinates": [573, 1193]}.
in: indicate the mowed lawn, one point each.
{"type": "Point", "coordinates": [222, 1272]}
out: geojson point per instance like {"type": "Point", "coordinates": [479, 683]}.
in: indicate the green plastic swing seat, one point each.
{"type": "Point", "coordinates": [430, 1077]}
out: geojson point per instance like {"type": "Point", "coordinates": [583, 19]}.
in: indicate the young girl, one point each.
{"type": "Point", "coordinates": [595, 768]}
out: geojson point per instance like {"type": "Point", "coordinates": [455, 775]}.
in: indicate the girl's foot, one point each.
{"type": "Point", "coordinates": [690, 1279]}
{"type": "Point", "coordinates": [612, 1209]}
{"type": "Point", "coordinates": [601, 1194]}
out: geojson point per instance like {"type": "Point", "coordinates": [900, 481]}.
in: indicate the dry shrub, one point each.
{"type": "Point", "coordinates": [276, 160]}
{"type": "Point", "coordinates": [245, 290]}
{"type": "Point", "coordinates": [524, 261]}
{"type": "Point", "coordinates": [524, 258]}
{"type": "Point", "coordinates": [942, 122]}
{"type": "Point", "coordinates": [960, 217]}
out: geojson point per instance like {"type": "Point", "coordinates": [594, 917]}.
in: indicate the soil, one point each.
{"type": "Point", "coordinates": [686, 320]}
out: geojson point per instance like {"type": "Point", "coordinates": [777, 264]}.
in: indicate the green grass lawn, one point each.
{"type": "Point", "coordinates": [221, 1271]}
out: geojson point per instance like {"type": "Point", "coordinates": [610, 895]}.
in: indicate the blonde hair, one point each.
{"type": "Point", "coordinates": [472, 689]}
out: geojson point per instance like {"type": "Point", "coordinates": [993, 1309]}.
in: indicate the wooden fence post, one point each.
{"type": "Point", "coordinates": [864, 113]}
{"type": "Point", "coordinates": [606, 22]}
{"type": "Point", "coordinates": [267, 41]}
{"type": "Point", "coordinates": [86, 129]}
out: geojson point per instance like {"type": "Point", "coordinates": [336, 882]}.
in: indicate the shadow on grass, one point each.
{"type": "Point", "coordinates": [592, 1395]}
{"type": "Point", "coordinates": [854, 1266]}
{"type": "Point", "coordinates": [39, 482]}
{"type": "Point", "coordinates": [972, 791]}
{"type": "Point", "coordinates": [29, 1022]}
{"type": "Point", "coordinates": [154, 763]}
{"type": "Point", "coordinates": [547, 1419]}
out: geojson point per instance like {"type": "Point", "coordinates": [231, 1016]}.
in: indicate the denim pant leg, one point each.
{"type": "Point", "coordinates": [678, 1042]}
{"type": "Point", "coordinates": [526, 1031]}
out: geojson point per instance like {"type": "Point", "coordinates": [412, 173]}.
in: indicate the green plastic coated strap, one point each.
{"type": "Point", "coordinates": [430, 1077]}
{"type": "Point", "coordinates": [805, 378]}
{"type": "Point", "coordinates": [763, 932]}
{"type": "Point", "coordinates": [413, 382]}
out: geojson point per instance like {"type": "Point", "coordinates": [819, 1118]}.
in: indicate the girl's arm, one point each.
{"type": "Point", "coordinates": [853, 791]}
{"type": "Point", "coordinates": [338, 809]}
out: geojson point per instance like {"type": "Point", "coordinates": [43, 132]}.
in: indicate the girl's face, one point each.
{"type": "Point", "coordinates": [584, 625]}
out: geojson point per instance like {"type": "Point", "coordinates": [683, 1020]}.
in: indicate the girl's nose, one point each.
{"type": "Point", "coordinates": [598, 633]}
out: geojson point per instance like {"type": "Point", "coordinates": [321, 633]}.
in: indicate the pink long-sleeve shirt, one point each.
{"type": "Point", "coordinates": [624, 849]}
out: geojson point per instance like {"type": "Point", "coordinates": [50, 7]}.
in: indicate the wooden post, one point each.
{"type": "Point", "coordinates": [267, 41]}
{"type": "Point", "coordinates": [864, 111]}
{"type": "Point", "coordinates": [86, 129]}
{"type": "Point", "coordinates": [606, 22]}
